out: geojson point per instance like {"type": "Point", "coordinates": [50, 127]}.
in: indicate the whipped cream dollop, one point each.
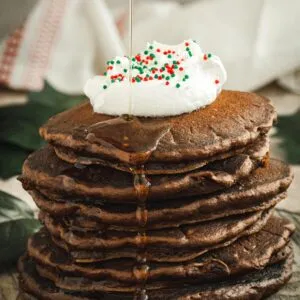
{"type": "Point", "coordinates": [164, 81]}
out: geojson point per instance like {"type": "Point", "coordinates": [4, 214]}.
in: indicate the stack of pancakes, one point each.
{"type": "Point", "coordinates": [158, 208]}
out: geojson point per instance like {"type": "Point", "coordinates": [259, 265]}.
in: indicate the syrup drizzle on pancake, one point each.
{"type": "Point", "coordinates": [134, 140]}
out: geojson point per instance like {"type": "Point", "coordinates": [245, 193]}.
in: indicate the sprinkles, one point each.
{"type": "Point", "coordinates": [153, 64]}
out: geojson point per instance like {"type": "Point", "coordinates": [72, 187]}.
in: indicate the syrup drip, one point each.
{"type": "Point", "coordinates": [131, 139]}
{"type": "Point", "coordinates": [141, 269]}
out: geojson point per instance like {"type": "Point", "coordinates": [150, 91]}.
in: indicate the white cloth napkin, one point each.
{"type": "Point", "coordinates": [68, 41]}
{"type": "Point", "coordinates": [258, 40]}
{"type": "Point", "coordinates": [63, 41]}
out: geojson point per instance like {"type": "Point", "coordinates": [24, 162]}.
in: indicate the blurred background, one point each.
{"type": "Point", "coordinates": [49, 48]}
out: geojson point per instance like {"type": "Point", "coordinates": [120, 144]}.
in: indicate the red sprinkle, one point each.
{"type": "Point", "coordinates": [159, 77]}
{"type": "Point", "coordinates": [187, 44]}
{"type": "Point", "coordinates": [167, 83]}
{"type": "Point", "coordinates": [158, 50]}
{"type": "Point", "coordinates": [181, 69]}
{"type": "Point", "coordinates": [217, 81]}
{"type": "Point", "coordinates": [165, 52]}
{"type": "Point", "coordinates": [205, 57]}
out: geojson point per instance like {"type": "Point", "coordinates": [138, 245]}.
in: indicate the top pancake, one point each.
{"type": "Point", "coordinates": [234, 120]}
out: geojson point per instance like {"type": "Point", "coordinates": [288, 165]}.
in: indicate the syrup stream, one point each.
{"type": "Point", "coordinates": [130, 55]}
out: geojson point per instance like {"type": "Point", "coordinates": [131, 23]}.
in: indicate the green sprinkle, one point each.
{"type": "Point", "coordinates": [173, 75]}
{"type": "Point", "coordinates": [112, 62]}
{"type": "Point", "coordinates": [151, 47]}
{"type": "Point", "coordinates": [147, 75]}
{"type": "Point", "coordinates": [125, 70]}
{"type": "Point", "coordinates": [105, 87]}
{"type": "Point", "coordinates": [133, 59]}
{"type": "Point", "coordinates": [146, 52]}
{"type": "Point", "coordinates": [118, 62]}
{"type": "Point", "coordinates": [169, 56]}
{"type": "Point", "coordinates": [155, 62]}
{"type": "Point", "coordinates": [112, 81]}
{"type": "Point", "coordinates": [152, 55]}
{"type": "Point", "coordinates": [178, 85]}
{"type": "Point", "coordinates": [186, 76]}
{"type": "Point", "coordinates": [163, 76]}
{"type": "Point", "coordinates": [155, 76]}
{"type": "Point", "coordinates": [190, 54]}
{"type": "Point", "coordinates": [187, 49]}
{"type": "Point", "coordinates": [168, 78]}
{"type": "Point", "coordinates": [175, 67]}
{"type": "Point", "coordinates": [105, 73]}
{"type": "Point", "coordinates": [163, 68]}
{"type": "Point", "coordinates": [209, 55]}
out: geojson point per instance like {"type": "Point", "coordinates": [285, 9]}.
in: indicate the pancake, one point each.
{"type": "Point", "coordinates": [245, 255]}
{"type": "Point", "coordinates": [112, 185]}
{"type": "Point", "coordinates": [264, 188]}
{"type": "Point", "coordinates": [206, 234]}
{"type": "Point", "coordinates": [257, 150]}
{"type": "Point", "coordinates": [235, 119]}
{"type": "Point", "coordinates": [255, 285]}
{"type": "Point", "coordinates": [76, 283]}
{"type": "Point", "coordinates": [158, 208]}
{"type": "Point", "coordinates": [87, 252]}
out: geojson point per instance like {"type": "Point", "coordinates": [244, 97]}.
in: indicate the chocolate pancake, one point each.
{"type": "Point", "coordinates": [206, 234]}
{"type": "Point", "coordinates": [83, 251]}
{"type": "Point", "coordinates": [112, 185]}
{"type": "Point", "coordinates": [245, 255]}
{"type": "Point", "coordinates": [255, 285]}
{"type": "Point", "coordinates": [264, 188]}
{"type": "Point", "coordinates": [234, 120]}
{"type": "Point", "coordinates": [257, 150]}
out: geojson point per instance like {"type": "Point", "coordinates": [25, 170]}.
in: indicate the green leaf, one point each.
{"type": "Point", "coordinates": [17, 223]}
{"type": "Point", "coordinates": [11, 159]}
{"type": "Point", "coordinates": [20, 124]}
{"type": "Point", "coordinates": [288, 129]}
{"type": "Point", "coordinates": [14, 236]}
{"type": "Point", "coordinates": [19, 134]}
